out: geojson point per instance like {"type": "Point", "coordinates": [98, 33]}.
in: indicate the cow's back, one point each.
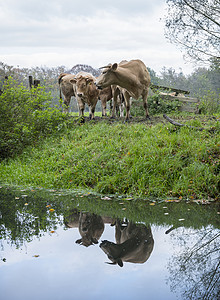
{"type": "Point", "coordinates": [138, 68]}
{"type": "Point", "coordinates": [65, 84]}
{"type": "Point", "coordinates": [138, 239]}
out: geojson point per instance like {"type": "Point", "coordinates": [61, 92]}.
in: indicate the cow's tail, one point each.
{"type": "Point", "coordinates": [61, 76]}
{"type": "Point", "coordinates": [61, 99]}
{"type": "Point", "coordinates": [59, 82]}
{"type": "Point", "coordinates": [122, 98]}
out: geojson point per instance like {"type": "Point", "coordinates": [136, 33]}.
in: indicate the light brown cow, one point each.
{"type": "Point", "coordinates": [86, 92]}
{"type": "Point", "coordinates": [133, 77]}
{"type": "Point", "coordinates": [134, 243]}
{"type": "Point", "coordinates": [66, 88]}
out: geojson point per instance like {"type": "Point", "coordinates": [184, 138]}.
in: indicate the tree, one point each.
{"type": "Point", "coordinates": [194, 25]}
{"type": "Point", "coordinates": [153, 76]}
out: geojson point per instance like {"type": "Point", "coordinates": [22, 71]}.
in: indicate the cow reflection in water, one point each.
{"type": "Point", "coordinates": [91, 228]}
{"type": "Point", "coordinates": [134, 243]}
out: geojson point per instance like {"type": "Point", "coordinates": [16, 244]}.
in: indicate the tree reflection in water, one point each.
{"type": "Point", "coordinates": [195, 271]}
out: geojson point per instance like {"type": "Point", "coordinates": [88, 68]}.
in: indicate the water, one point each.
{"type": "Point", "coordinates": [40, 259]}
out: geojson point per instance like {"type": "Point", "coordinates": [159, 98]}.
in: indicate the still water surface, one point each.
{"type": "Point", "coordinates": [50, 249]}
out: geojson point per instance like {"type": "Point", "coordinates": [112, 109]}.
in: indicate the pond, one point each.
{"type": "Point", "coordinates": [71, 245]}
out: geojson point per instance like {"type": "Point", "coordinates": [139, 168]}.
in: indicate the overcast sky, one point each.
{"type": "Point", "coordinates": [95, 32]}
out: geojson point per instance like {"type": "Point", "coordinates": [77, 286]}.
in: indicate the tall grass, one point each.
{"type": "Point", "coordinates": [132, 159]}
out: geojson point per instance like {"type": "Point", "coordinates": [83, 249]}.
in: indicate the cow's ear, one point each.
{"type": "Point", "coordinates": [120, 262]}
{"type": "Point", "coordinates": [94, 241]}
{"type": "Point", "coordinates": [79, 241]}
{"type": "Point", "coordinates": [73, 81]}
{"type": "Point", "coordinates": [114, 66]}
{"type": "Point", "coordinates": [89, 80]}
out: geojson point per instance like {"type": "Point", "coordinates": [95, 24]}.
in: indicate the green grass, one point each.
{"type": "Point", "coordinates": [159, 161]}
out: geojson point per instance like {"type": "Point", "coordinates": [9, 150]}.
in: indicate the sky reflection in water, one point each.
{"type": "Point", "coordinates": [66, 270]}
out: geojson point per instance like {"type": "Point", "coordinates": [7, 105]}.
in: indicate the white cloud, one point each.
{"type": "Point", "coordinates": [69, 32]}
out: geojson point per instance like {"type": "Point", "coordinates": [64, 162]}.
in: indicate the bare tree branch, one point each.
{"type": "Point", "coordinates": [194, 26]}
{"type": "Point", "coordinates": [202, 13]}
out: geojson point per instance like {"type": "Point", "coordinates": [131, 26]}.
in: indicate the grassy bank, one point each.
{"type": "Point", "coordinates": [138, 159]}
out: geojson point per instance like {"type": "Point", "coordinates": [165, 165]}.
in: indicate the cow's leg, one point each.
{"type": "Point", "coordinates": [92, 112]}
{"type": "Point", "coordinates": [114, 106]}
{"type": "Point", "coordinates": [66, 102]}
{"type": "Point", "coordinates": [144, 95]}
{"type": "Point", "coordinates": [92, 115]}
{"type": "Point", "coordinates": [127, 105]}
{"type": "Point", "coordinates": [115, 99]}
{"type": "Point", "coordinates": [81, 107]}
{"type": "Point", "coordinates": [121, 105]}
{"type": "Point", "coordinates": [104, 101]}
{"type": "Point", "coordinates": [110, 105]}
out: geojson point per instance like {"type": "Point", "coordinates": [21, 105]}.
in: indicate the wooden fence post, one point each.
{"type": "Point", "coordinates": [30, 81]}
{"type": "Point", "coordinates": [36, 82]}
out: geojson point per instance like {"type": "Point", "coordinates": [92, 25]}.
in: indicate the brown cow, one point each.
{"type": "Point", "coordinates": [66, 88]}
{"type": "Point", "coordinates": [132, 76]}
{"type": "Point", "coordinates": [118, 101]}
{"type": "Point", "coordinates": [86, 92]}
{"type": "Point", "coordinates": [134, 243]}
{"type": "Point", "coordinates": [105, 95]}
{"type": "Point", "coordinates": [91, 227]}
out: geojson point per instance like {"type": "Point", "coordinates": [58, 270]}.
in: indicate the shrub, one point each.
{"type": "Point", "coordinates": [210, 103]}
{"type": "Point", "coordinates": [156, 105]}
{"type": "Point", "coordinates": [25, 116]}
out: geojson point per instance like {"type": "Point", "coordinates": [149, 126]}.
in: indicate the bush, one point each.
{"type": "Point", "coordinates": [210, 103]}
{"type": "Point", "coordinates": [156, 105]}
{"type": "Point", "coordinates": [25, 116]}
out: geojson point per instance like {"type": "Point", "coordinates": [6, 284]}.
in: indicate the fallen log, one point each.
{"type": "Point", "coordinates": [179, 124]}
{"type": "Point", "coordinates": [211, 129]}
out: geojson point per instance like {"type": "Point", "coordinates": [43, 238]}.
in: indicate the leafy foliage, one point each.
{"type": "Point", "coordinates": [156, 105]}
{"type": "Point", "coordinates": [210, 103]}
{"type": "Point", "coordinates": [26, 115]}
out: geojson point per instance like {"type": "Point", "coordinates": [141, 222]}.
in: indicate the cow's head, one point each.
{"type": "Point", "coordinates": [113, 252]}
{"type": "Point", "coordinates": [87, 241]}
{"type": "Point", "coordinates": [107, 77]}
{"type": "Point", "coordinates": [82, 85]}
